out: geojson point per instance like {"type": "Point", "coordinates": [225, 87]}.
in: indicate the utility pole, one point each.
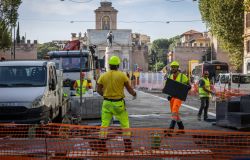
{"type": "Point", "coordinates": [14, 43]}
{"type": "Point", "coordinates": [211, 47]}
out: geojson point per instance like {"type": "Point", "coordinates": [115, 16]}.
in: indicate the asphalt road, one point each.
{"type": "Point", "coordinates": [151, 109]}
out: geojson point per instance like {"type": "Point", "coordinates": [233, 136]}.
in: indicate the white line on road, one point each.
{"type": "Point", "coordinates": [184, 105]}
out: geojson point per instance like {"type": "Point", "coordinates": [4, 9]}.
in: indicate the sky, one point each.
{"type": "Point", "coordinates": [47, 20]}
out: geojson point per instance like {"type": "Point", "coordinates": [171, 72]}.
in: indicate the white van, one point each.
{"type": "Point", "coordinates": [236, 82]}
{"type": "Point", "coordinates": [29, 91]}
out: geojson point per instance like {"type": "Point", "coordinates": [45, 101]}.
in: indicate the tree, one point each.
{"type": "Point", "coordinates": [8, 18]}
{"type": "Point", "coordinates": [43, 49]}
{"type": "Point", "coordinates": [158, 66]}
{"type": "Point", "coordinates": [160, 48]}
{"type": "Point", "coordinates": [18, 39]}
{"type": "Point", "coordinates": [226, 21]}
{"type": "Point", "coordinates": [247, 5]}
{"type": "Point", "coordinates": [5, 37]}
{"type": "Point", "coordinates": [9, 10]}
{"type": "Point", "coordinates": [173, 42]}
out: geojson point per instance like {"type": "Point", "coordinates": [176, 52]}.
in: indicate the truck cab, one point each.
{"type": "Point", "coordinates": [29, 91]}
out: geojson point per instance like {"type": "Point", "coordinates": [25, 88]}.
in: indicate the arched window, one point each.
{"type": "Point", "coordinates": [248, 67]}
{"type": "Point", "coordinates": [248, 20]}
{"type": "Point", "coordinates": [105, 23]}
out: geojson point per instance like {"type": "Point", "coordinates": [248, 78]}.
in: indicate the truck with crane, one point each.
{"type": "Point", "coordinates": [73, 63]}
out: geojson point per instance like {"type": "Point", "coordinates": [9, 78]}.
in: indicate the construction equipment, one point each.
{"type": "Point", "coordinates": [73, 63]}
{"type": "Point", "coordinates": [234, 113]}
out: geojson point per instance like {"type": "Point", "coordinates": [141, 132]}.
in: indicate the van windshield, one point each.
{"type": "Point", "coordinates": [243, 79]}
{"type": "Point", "coordinates": [23, 76]}
{"type": "Point", "coordinates": [72, 64]}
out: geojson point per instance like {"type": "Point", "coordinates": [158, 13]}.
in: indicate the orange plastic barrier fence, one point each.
{"type": "Point", "coordinates": [61, 141]}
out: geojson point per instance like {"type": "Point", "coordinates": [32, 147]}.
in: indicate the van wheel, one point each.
{"type": "Point", "coordinates": [50, 118]}
{"type": "Point", "coordinates": [59, 117]}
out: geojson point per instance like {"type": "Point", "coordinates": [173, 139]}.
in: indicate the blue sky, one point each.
{"type": "Point", "coordinates": [47, 20]}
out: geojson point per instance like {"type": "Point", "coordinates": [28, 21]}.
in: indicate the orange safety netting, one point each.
{"type": "Point", "coordinates": [221, 94]}
{"type": "Point", "coordinates": [61, 141]}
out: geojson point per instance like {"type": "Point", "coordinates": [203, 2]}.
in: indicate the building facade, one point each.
{"type": "Point", "coordinates": [246, 59]}
{"type": "Point", "coordinates": [194, 45]}
{"type": "Point", "coordinates": [123, 45]}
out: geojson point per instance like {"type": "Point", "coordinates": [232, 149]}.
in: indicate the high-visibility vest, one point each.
{"type": "Point", "coordinates": [180, 78]}
{"type": "Point", "coordinates": [84, 87]}
{"type": "Point", "coordinates": [203, 93]}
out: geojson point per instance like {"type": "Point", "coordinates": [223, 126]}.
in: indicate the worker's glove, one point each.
{"type": "Point", "coordinates": [135, 96]}
{"type": "Point", "coordinates": [189, 87]}
{"type": "Point", "coordinates": [169, 98]}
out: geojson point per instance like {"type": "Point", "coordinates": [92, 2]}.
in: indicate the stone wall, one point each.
{"type": "Point", "coordinates": [140, 57]}
{"type": "Point", "coordinates": [24, 51]}
{"type": "Point", "coordinates": [185, 54]}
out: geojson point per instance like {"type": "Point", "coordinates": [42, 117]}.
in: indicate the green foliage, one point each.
{"type": "Point", "coordinates": [247, 5]}
{"type": "Point", "coordinates": [9, 16]}
{"type": "Point", "coordinates": [43, 49]}
{"type": "Point", "coordinates": [173, 41]}
{"type": "Point", "coordinates": [158, 66]}
{"type": "Point", "coordinates": [5, 37]}
{"type": "Point", "coordinates": [226, 21]}
{"type": "Point", "coordinates": [9, 11]}
{"type": "Point", "coordinates": [159, 50]}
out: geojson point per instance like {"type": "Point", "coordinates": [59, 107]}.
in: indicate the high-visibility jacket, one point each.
{"type": "Point", "coordinates": [84, 87]}
{"type": "Point", "coordinates": [202, 92]}
{"type": "Point", "coordinates": [180, 78]}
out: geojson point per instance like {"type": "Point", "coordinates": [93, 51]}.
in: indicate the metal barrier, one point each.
{"type": "Point", "coordinates": [151, 81]}
{"type": "Point", "coordinates": [90, 109]}
{"type": "Point", "coordinates": [61, 141]}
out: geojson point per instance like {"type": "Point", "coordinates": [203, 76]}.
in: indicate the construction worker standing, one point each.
{"type": "Point", "coordinates": [175, 103]}
{"type": "Point", "coordinates": [111, 86]}
{"type": "Point", "coordinates": [85, 85]}
{"type": "Point", "coordinates": [204, 94]}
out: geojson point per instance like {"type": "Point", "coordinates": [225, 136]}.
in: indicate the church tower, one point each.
{"type": "Point", "coordinates": [106, 16]}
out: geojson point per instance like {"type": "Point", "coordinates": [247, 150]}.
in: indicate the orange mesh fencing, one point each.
{"type": "Point", "coordinates": [61, 141]}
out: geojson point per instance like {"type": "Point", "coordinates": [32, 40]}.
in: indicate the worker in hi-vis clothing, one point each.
{"type": "Point", "coordinates": [111, 86]}
{"type": "Point", "coordinates": [204, 94]}
{"type": "Point", "coordinates": [175, 103]}
{"type": "Point", "coordinates": [85, 85]}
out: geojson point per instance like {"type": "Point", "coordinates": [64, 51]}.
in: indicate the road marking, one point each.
{"type": "Point", "coordinates": [184, 105]}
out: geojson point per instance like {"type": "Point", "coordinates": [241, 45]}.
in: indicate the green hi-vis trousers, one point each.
{"type": "Point", "coordinates": [117, 109]}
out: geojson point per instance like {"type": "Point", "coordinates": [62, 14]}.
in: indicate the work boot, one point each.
{"type": "Point", "coordinates": [205, 117]}
{"type": "Point", "coordinates": [199, 118]}
{"type": "Point", "coordinates": [181, 127]}
{"type": "Point", "coordinates": [128, 145]}
{"type": "Point", "coordinates": [171, 129]}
